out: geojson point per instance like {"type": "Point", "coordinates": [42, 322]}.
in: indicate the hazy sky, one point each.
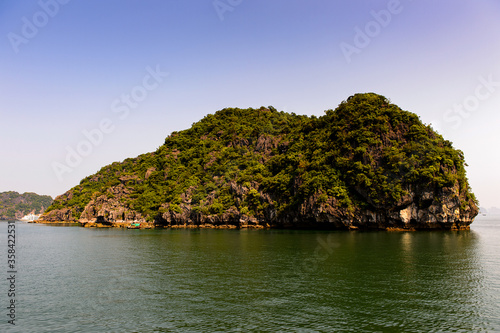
{"type": "Point", "coordinates": [84, 83]}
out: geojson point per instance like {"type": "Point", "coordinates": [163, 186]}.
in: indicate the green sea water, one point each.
{"type": "Point", "coordinates": [73, 279]}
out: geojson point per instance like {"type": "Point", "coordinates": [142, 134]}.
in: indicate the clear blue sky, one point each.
{"type": "Point", "coordinates": [67, 67]}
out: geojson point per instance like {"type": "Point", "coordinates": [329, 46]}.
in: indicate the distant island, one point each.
{"type": "Point", "coordinates": [365, 165]}
{"type": "Point", "coordinates": [15, 206]}
{"type": "Point", "coordinates": [489, 211]}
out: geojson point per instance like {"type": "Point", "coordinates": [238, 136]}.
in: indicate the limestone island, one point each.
{"type": "Point", "coordinates": [22, 207]}
{"type": "Point", "coordinates": [365, 165]}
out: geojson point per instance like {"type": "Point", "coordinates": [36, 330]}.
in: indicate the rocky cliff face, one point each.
{"type": "Point", "coordinates": [103, 208]}
{"type": "Point", "coordinates": [439, 209]}
{"type": "Point", "coordinates": [366, 165]}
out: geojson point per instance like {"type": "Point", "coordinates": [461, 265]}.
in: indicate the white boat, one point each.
{"type": "Point", "coordinates": [30, 217]}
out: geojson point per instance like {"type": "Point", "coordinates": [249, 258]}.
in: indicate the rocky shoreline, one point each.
{"type": "Point", "coordinates": [152, 225]}
{"type": "Point", "coordinates": [267, 226]}
{"type": "Point", "coordinates": [422, 209]}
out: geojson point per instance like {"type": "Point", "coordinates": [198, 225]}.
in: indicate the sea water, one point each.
{"type": "Point", "coordinates": [73, 279]}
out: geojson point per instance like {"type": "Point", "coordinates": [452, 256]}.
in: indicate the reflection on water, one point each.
{"type": "Point", "coordinates": [89, 280]}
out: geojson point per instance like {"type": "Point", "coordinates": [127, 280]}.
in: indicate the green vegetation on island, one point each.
{"type": "Point", "coordinates": [367, 155]}
{"type": "Point", "coordinates": [14, 205]}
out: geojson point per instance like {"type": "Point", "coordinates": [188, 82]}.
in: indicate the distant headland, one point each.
{"type": "Point", "coordinates": [27, 206]}
{"type": "Point", "coordinates": [365, 165]}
